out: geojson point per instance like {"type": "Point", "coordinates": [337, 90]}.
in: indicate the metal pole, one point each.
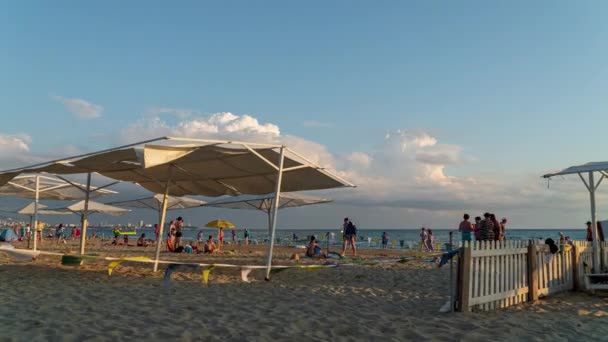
{"type": "Point", "coordinates": [275, 209]}
{"type": "Point", "coordinates": [161, 224]}
{"type": "Point", "coordinates": [596, 254]}
{"type": "Point", "coordinates": [35, 228]}
{"type": "Point", "coordinates": [85, 213]}
{"type": "Point", "coordinates": [451, 276]}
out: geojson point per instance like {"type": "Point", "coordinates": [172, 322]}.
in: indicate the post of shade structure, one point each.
{"type": "Point", "coordinates": [161, 224]}
{"type": "Point", "coordinates": [275, 209]}
{"type": "Point", "coordinates": [84, 217]}
{"type": "Point", "coordinates": [269, 222]}
{"type": "Point", "coordinates": [34, 229]}
{"type": "Point", "coordinates": [596, 254]}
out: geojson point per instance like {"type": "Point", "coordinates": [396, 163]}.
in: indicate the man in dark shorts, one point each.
{"type": "Point", "coordinates": [179, 225]}
{"type": "Point", "coordinates": [349, 231]}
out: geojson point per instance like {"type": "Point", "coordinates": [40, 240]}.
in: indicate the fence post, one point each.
{"type": "Point", "coordinates": [532, 273]}
{"type": "Point", "coordinates": [464, 278]}
{"type": "Point", "coordinates": [575, 268]}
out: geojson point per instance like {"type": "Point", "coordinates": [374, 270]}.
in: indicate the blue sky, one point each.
{"type": "Point", "coordinates": [517, 86]}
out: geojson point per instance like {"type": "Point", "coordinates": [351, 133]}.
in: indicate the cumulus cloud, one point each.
{"type": "Point", "coordinates": [216, 126]}
{"type": "Point", "coordinates": [80, 108]}
{"type": "Point", "coordinates": [14, 149]}
{"type": "Point", "coordinates": [406, 169]}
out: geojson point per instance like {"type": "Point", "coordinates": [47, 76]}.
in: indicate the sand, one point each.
{"type": "Point", "coordinates": [44, 301]}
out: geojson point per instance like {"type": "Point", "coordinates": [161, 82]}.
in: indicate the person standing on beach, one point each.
{"type": "Point", "coordinates": [477, 227]}
{"type": "Point", "coordinates": [497, 227]}
{"type": "Point", "coordinates": [39, 229]}
{"type": "Point", "coordinates": [199, 238]}
{"type": "Point", "coordinates": [423, 237]}
{"type": "Point", "coordinates": [589, 231]}
{"type": "Point", "coordinates": [246, 236]}
{"type": "Point", "coordinates": [156, 231]}
{"type": "Point", "coordinates": [221, 239]}
{"type": "Point", "coordinates": [466, 228]}
{"type": "Point", "coordinates": [486, 231]}
{"type": "Point", "coordinates": [430, 240]}
{"type": "Point", "coordinates": [384, 240]}
{"type": "Point", "coordinates": [179, 226]}
{"type": "Point", "coordinates": [234, 235]}
{"type": "Point", "coordinates": [349, 236]}
{"type": "Point", "coordinates": [503, 228]}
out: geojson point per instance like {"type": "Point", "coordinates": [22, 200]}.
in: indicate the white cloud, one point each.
{"type": "Point", "coordinates": [14, 149]}
{"type": "Point", "coordinates": [216, 126]}
{"type": "Point", "coordinates": [406, 170]}
{"type": "Point", "coordinates": [80, 108]}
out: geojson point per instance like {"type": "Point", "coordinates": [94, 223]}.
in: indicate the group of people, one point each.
{"type": "Point", "coordinates": [427, 239]}
{"type": "Point", "coordinates": [486, 229]}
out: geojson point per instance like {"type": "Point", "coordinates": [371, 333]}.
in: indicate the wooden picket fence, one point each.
{"type": "Point", "coordinates": [498, 274]}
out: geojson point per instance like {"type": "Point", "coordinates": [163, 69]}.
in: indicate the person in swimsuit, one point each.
{"type": "Point", "coordinates": [313, 250]}
{"type": "Point", "coordinates": [246, 237]}
{"type": "Point", "coordinates": [210, 246]}
{"type": "Point", "coordinates": [141, 242]}
{"type": "Point", "coordinates": [221, 238]}
{"type": "Point", "coordinates": [349, 236]}
{"type": "Point", "coordinates": [466, 228]}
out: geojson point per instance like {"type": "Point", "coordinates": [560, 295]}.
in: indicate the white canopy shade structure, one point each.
{"type": "Point", "coordinates": [265, 203]}
{"type": "Point", "coordinates": [202, 167]}
{"type": "Point", "coordinates": [588, 171]}
{"type": "Point", "coordinates": [93, 207]}
{"type": "Point", "coordinates": [30, 210]}
{"type": "Point", "coordinates": [45, 187]}
{"type": "Point", "coordinates": [156, 203]}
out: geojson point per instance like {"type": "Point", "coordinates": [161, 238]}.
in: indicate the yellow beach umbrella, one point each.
{"type": "Point", "coordinates": [220, 224]}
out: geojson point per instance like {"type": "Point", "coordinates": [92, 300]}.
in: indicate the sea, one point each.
{"type": "Point", "coordinates": [366, 238]}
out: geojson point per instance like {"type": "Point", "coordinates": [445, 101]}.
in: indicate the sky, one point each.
{"type": "Point", "coordinates": [432, 108]}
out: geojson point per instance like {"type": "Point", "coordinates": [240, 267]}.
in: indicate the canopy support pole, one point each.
{"type": "Point", "coordinates": [596, 254]}
{"type": "Point", "coordinates": [85, 213]}
{"type": "Point", "coordinates": [161, 224]}
{"type": "Point", "coordinates": [269, 222]}
{"type": "Point", "coordinates": [34, 229]}
{"type": "Point", "coordinates": [275, 209]}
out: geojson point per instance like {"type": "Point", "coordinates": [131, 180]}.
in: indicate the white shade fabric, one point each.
{"type": "Point", "coordinates": [207, 170]}
{"type": "Point", "coordinates": [264, 202]}
{"type": "Point", "coordinates": [48, 188]}
{"type": "Point", "coordinates": [155, 202]}
{"type": "Point", "coordinates": [94, 207]}
{"type": "Point", "coordinates": [30, 210]}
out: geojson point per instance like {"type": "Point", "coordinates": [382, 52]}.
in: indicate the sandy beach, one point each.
{"type": "Point", "coordinates": [44, 301]}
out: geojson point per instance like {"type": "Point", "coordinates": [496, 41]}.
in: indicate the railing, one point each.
{"type": "Point", "coordinates": [498, 274]}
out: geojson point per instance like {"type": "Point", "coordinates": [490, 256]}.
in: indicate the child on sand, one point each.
{"type": "Point", "coordinates": [313, 250]}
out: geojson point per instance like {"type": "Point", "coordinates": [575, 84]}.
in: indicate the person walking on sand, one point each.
{"type": "Point", "coordinates": [486, 232]}
{"type": "Point", "coordinates": [423, 237]}
{"type": "Point", "coordinates": [233, 236]}
{"type": "Point", "coordinates": [59, 233]}
{"type": "Point", "coordinates": [349, 236]}
{"type": "Point", "coordinates": [466, 228]}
